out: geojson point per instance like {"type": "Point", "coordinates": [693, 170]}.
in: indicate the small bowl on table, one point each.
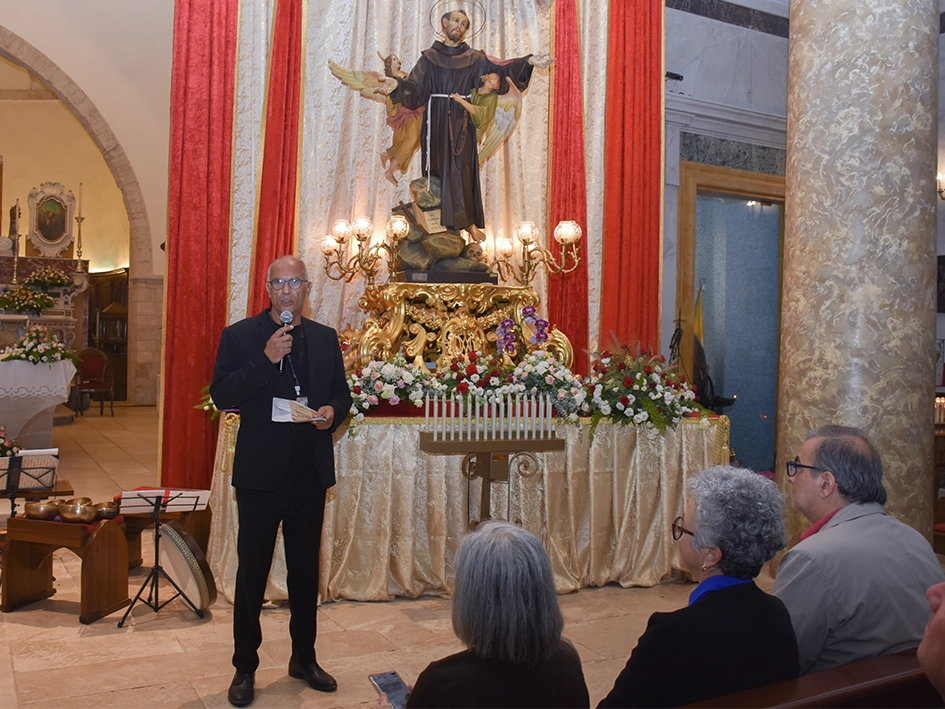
{"type": "Point", "coordinates": [77, 513]}
{"type": "Point", "coordinates": [106, 510]}
{"type": "Point", "coordinates": [79, 501]}
{"type": "Point", "coordinates": [41, 509]}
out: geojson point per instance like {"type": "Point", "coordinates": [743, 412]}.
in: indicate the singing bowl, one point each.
{"type": "Point", "coordinates": [42, 509]}
{"type": "Point", "coordinates": [77, 513]}
{"type": "Point", "coordinates": [106, 510]}
{"type": "Point", "coordinates": [79, 501]}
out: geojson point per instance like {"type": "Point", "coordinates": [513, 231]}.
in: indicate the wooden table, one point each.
{"type": "Point", "coordinates": [27, 564]}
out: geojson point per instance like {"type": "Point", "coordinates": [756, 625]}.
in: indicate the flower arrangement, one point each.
{"type": "Point", "coordinates": [639, 390]}
{"type": "Point", "coordinates": [206, 403]}
{"type": "Point", "coordinates": [47, 277]}
{"type": "Point", "coordinates": [393, 382]}
{"type": "Point", "coordinates": [8, 446]}
{"type": "Point", "coordinates": [39, 346]}
{"type": "Point", "coordinates": [505, 333]}
{"type": "Point", "coordinates": [540, 372]}
{"type": "Point", "coordinates": [478, 374]}
{"type": "Point", "coordinates": [25, 300]}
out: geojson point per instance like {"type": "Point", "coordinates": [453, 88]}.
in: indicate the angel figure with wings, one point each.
{"type": "Point", "coordinates": [448, 142]}
{"type": "Point", "coordinates": [404, 122]}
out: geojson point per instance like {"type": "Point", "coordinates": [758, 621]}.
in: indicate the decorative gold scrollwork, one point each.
{"type": "Point", "coordinates": [436, 321]}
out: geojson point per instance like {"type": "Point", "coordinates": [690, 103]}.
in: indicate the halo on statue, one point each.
{"type": "Point", "coordinates": [474, 9]}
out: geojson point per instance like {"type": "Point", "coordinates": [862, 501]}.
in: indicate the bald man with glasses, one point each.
{"type": "Point", "coordinates": [855, 583]}
{"type": "Point", "coordinates": [281, 471]}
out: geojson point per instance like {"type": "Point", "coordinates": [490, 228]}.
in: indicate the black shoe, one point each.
{"type": "Point", "coordinates": [313, 675]}
{"type": "Point", "coordinates": [241, 692]}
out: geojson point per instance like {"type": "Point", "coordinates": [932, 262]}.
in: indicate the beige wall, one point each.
{"type": "Point", "coordinates": [118, 52]}
{"type": "Point", "coordinates": [41, 141]}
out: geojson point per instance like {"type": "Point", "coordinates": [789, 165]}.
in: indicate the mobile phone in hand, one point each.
{"type": "Point", "coordinates": [393, 686]}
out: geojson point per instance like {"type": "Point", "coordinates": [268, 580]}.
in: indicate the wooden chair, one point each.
{"type": "Point", "coordinates": [93, 379]}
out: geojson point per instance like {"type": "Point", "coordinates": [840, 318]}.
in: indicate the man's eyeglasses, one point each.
{"type": "Point", "coordinates": [279, 283]}
{"type": "Point", "coordinates": [679, 530]}
{"type": "Point", "coordinates": [793, 465]}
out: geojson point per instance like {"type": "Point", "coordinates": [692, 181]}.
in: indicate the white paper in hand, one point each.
{"type": "Point", "coordinates": [291, 411]}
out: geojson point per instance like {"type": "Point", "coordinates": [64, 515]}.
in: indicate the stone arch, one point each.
{"type": "Point", "coordinates": [17, 50]}
{"type": "Point", "coordinates": [145, 288]}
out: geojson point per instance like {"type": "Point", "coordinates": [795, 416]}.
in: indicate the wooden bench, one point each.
{"type": "Point", "coordinates": [890, 681]}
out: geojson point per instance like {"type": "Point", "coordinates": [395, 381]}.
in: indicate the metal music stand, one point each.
{"type": "Point", "coordinates": [30, 470]}
{"type": "Point", "coordinates": [156, 502]}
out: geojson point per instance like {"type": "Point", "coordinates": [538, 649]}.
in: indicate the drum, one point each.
{"type": "Point", "coordinates": [184, 561]}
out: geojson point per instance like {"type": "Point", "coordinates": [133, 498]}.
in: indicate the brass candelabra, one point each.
{"type": "Point", "coordinates": [532, 255]}
{"type": "Point", "coordinates": [367, 256]}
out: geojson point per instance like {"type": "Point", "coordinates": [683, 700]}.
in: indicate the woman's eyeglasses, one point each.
{"type": "Point", "coordinates": [679, 530]}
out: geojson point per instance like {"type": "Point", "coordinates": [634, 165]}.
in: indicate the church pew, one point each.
{"type": "Point", "coordinates": [890, 681]}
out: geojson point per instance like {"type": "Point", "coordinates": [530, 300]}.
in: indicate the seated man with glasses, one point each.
{"type": "Point", "coordinates": [855, 583]}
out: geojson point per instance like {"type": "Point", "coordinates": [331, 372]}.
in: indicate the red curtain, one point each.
{"type": "Point", "coordinates": [275, 225]}
{"type": "Point", "coordinates": [198, 226]}
{"type": "Point", "coordinates": [633, 195]}
{"type": "Point", "coordinates": [567, 293]}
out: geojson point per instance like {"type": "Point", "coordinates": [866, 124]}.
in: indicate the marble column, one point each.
{"type": "Point", "coordinates": [858, 308]}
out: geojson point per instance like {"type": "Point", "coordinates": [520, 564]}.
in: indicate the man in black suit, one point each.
{"type": "Point", "coordinates": [281, 471]}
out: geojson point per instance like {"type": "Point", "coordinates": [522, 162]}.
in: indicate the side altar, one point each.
{"type": "Point", "coordinates": [602, 507]}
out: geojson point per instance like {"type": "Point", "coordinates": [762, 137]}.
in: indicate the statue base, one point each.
{"type": "Point", "coordinates": [411, 276]}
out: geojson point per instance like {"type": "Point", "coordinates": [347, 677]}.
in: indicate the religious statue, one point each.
{"type": "Point", "coordinates": [462, 98]}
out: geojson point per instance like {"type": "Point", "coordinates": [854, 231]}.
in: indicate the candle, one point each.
{"type": "Point", "coordinates": [80, 199]}
{"type": "Point", "coordinates": [550, 413]}
{"type": "Point", "coordinates": [426, 412]}
{"type": "Point", "coordinates": [518, 415]}
{"type": "Point", "coordinates": [477, 418]}
{"type": "Point", "coordinates": [461, 416]}
{"type": "Point", "coordinates": [501, 417]}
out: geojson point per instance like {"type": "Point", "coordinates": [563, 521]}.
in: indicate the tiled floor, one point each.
{"type": "Point", "coordinates": [174, 659]}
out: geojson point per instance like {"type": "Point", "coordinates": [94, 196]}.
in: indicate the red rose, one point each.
{"type": "Point", "coordinates": [652, 385]}
{"type": "Point", "coordinates": [662, 358]}
{"type": "Point", "coordinates": [624, 400]}
{"type": "Point", "coordinates": [460, 376]}
{"type": "Point", "coordinates": [510, 378]}
{"type": "Point", "coordinates": [628, 381]}
{"type": "Point", "coordinates": [356, 390]}
{"type": "Point", "coordinates": [495, 373]}
{"type": "Point", "coordinates": [360, 374]}
{"type": "Point", "coordinates": [472, 369]}
{"type": "Point", "coordinates": [454, 367]}
{"type": "Point", "coordinates": [462, 387]}
{"type": "Point", "coordinates": [605, 354]}
{"type": "Point", "coordinates": [473, 357]}
{"type": "Point", "coordinates": [648, 369]}
{"type": "Point", "coordinates": [622, 366]}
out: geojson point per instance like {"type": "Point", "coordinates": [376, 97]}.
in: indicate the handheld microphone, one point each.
{"type": "Point", "coordinates": [285, 317]}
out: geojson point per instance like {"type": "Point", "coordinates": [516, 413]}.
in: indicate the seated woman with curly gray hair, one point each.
{"type": "Point", "coordinates": [732, 635]}
{"type": "Point", "coordinates": [505, 610]}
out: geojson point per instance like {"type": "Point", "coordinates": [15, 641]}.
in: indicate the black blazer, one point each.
{"type": "Point", "coordinates": [731, 639]}
{"type": "Point", "coordinates": [244, 378]}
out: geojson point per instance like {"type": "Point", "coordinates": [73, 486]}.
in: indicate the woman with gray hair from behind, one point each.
{"type": "Point", "coordinates": [505, 610]}
{"type": "Point", "coordinates": [732, 636]}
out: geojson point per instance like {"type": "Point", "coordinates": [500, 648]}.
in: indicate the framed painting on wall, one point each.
{"type": "Point", "coordinates": [52, 211]}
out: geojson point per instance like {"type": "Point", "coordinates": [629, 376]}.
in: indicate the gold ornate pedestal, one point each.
{"type": "Point", "coordinates": [434, 322]}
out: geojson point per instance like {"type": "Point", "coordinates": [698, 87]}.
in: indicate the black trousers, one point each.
{"type": "Point", "coordinates": [299, 504]}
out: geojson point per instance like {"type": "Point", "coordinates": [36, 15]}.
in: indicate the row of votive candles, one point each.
{"type": "Point", "coordinates": [455, 417]}
{"type": "Point", "coordinates": [940, 409]}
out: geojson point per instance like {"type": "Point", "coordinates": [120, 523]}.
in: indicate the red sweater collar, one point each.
{"type": "Point", "coordinates": [818, 525]}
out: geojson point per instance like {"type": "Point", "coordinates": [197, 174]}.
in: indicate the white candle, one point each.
{"type": "Point", "coordinates": [461, 416]}
{"type": "Point", "coordinates": [550, 413]}
{"type": "Point", "coordinates": [477, 418]}
{"type": "Point", "coordinates": [453, 417]}
{"type": "Point", "coordinates": [426, 412]}
{"type": "Point", "coordinates": [518, 415]}
{"type": "Point", "coordinates": [80, 199]}
{"type": "Point", "coordinates": [501, 418]}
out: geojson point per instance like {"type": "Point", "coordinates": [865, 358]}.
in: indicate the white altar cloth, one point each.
{"type": "Point", "coordinates": [603, 510]}
{"type": "Point", "coordinates": [29, 394]}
